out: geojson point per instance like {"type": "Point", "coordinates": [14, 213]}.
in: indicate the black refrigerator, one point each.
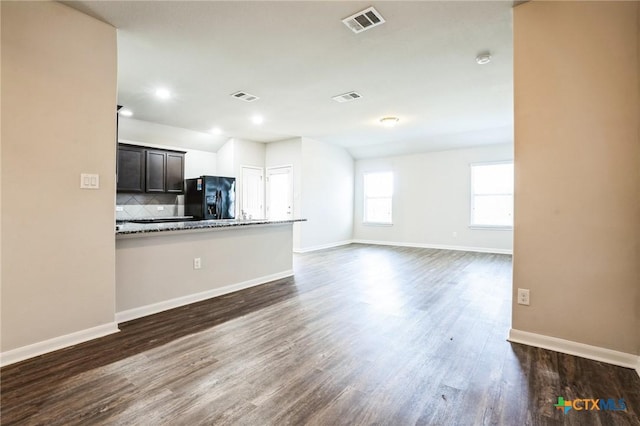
{"type": "Point", "coordinates": [210, 197]}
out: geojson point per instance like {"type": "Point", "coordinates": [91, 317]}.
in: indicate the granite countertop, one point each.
{"type": "Point", "coordinates": [128, 228]}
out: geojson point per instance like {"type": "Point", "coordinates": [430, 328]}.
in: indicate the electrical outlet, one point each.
{"type": "Point", "coordinates": [160, 208]}
{"type": "Point", "coordinates": [197, 263]}
{"type": "Point", "coordinates": [523, 296]}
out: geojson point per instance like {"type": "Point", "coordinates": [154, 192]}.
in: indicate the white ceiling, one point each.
{"type": "Point", "coordinates": [419, 66]}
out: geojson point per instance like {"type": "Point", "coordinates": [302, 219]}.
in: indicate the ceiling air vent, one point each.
{"type": "Point", "coordinates": [244, 96]}
{"type": "Point", "coordinates": [364, 20]}
{"type": "Point", "coordinates": [347, 97]}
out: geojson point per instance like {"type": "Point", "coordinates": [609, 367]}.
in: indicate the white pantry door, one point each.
{"type": "Point", "coordinates": [280, 192]}
{"type": "Point", "coordinates": [252, 203]}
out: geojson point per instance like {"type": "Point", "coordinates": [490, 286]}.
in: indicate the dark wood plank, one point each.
{"type": "Point", "coordinates": [361, 335]}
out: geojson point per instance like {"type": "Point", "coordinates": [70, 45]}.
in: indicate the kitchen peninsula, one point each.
{"type": "Point", "coordinates": [166, 265]}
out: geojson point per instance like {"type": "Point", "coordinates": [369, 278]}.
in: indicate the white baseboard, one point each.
{"type": "Point", "coordinates": [40, 348]}
{"type": "Point", "coordinates": [595, 353]}
{"type": "Point", "coordinates": [322, 247]}
{"type": "Point", "coordinates": [435, 246]}
{"type": "Point", "coordinates": [154, 308]}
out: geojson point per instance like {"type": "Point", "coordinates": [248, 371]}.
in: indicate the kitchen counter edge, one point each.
{"type": "Point", "coordinates": [141, 230]}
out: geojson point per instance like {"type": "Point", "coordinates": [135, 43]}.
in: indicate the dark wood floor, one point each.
{"type": "Point", "coordinates": [362, 335]}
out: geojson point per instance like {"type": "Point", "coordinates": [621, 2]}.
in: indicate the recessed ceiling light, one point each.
{"type": "Point", "coordinates": [389, 121]}
{"type": "Point", "coordinates": [125, 112]}
{"type": "Point", "coordinates": [483, 58]}
{"type": "Point", "coordinates": [216, 131]}
{"type": "Point", "coordinates": [257, 119]}
{"type": "Point", "coordinates": [163, 93]}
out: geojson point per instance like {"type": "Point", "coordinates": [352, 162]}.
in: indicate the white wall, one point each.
{"type": "Point", "coordinates": [239, 152]}
{"type": "Point", "coordinates": [225, 159]}
{"type": "Point", "coordinates": [327, 195]}
{"type": "Point", "coordinates": [199, 163]}
{"type": "Point", "coordinates": [248, 153]}
{"type": "Point", "coordinates": [431, 200]}
{"type": "Point", "coordinates": [161, 134]}
{"type": "Point", "coordinates": [59, 75]}
{"type": "Point", "coordinates": [200, 158]}
{"type": "Point", "coordinates": [322, 190]}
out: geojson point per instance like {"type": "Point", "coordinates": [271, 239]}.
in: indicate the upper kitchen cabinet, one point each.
{"type": "Point", "coordinates": [131, 168]}
{"type": "Point", "coordinates": [156, 171]}
{"type": "Point", "coordinates": [151, 170]}
{"type": "Point", "coordinates": [175, 172]}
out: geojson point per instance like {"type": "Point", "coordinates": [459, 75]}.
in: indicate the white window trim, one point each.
{"type": "Point", "coordinates": [472, 193]}
{"type": "Point", "coordinates": [491, 227]}
{"type": "Point", "coordinates": [364, 200]}
{"type": "Point", "coordinates": [383, 224]}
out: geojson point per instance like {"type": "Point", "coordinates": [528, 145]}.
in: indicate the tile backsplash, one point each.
{"type": "Point", "coordinates": [138, 206]}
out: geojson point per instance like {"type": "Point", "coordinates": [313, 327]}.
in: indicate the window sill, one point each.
{"type": "Point", "coordinates": [377, 224]}
{"type": "Point", "coordinates": [491, 227]}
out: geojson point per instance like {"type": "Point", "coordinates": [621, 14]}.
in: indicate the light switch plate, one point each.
{"type": "Point", "coordinates": [89, 181]}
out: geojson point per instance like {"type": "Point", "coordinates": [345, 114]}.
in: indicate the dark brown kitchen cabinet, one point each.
{"type": "Point", "coordinates": [175, 172]}
{"type": "Point", "coordinates": [156, 171]}
{"type": "Point", "coordinates": [131, 168]}
{"type": "Point", "coordinates": [151, 170]}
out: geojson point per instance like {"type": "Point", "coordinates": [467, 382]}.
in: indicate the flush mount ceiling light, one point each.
{"type": "Point", "coordinates": [163, 93]}
{"type": "Point", "coordinates": [216, 131]}
{"type": "Point", "coordinates": [257, 119]}
{"type": "Point", "coordinates": [125, 112]}
{"type": "Point", "coordinates": [389, 121]}
{"type": "Point", "coordinates": [483, 58]}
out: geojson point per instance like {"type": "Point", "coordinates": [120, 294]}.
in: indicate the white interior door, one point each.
{"type": "Point", "coordinates": [280, 193]}
{"type": "Point", "coordinates": [252, 202]}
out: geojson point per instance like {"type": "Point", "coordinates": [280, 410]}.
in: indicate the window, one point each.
{"type": "Point", "coordinates": [378, 194]}
{"type": "Point", "coordinates": [492, 195]}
